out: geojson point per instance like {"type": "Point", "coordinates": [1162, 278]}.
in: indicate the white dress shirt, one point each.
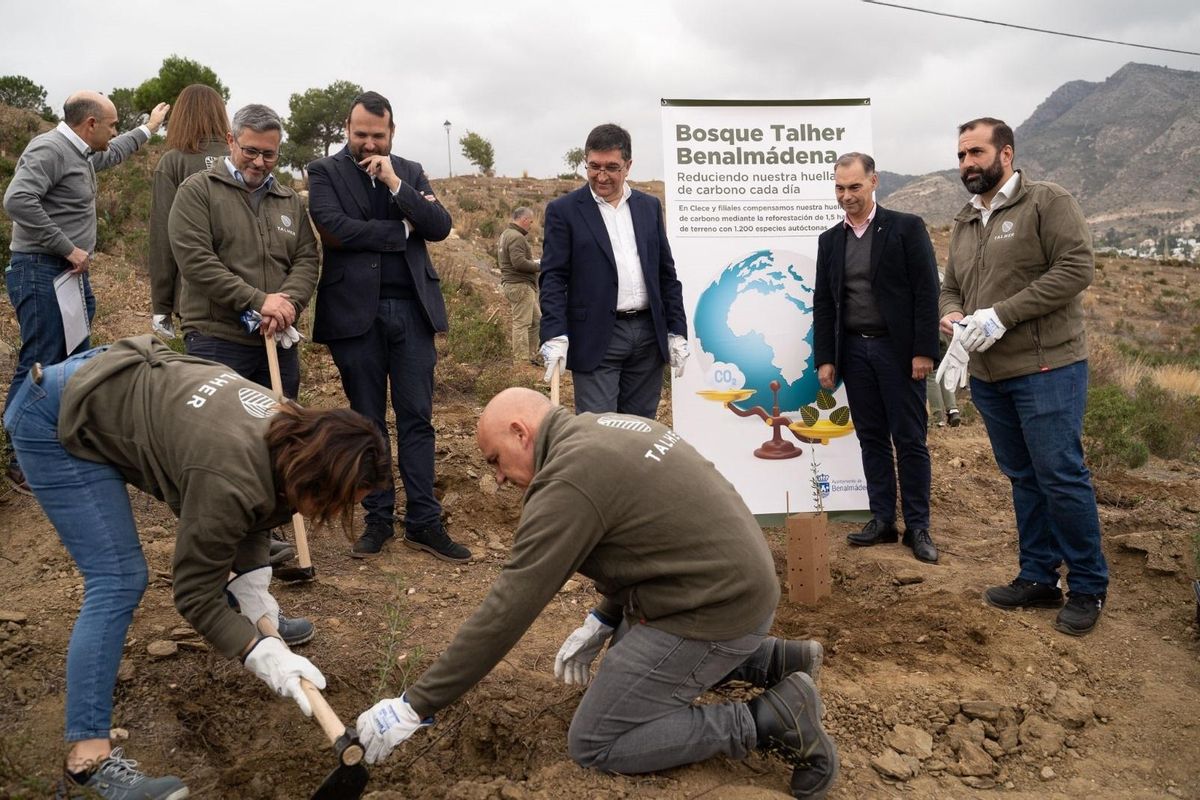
{"type": "Point", "coordinates": [631, 284]}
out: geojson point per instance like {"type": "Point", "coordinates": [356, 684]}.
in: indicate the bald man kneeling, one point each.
{"type": "Point", "coordinates": [687, 594]}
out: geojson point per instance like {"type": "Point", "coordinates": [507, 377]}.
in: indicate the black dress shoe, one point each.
{"type": "Point", "coordinates": [874, 532]}
{"type": "Point", "coordinates": [922, 545]}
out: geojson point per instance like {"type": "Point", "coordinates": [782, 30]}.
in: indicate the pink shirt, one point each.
{"type": "Point", "coordinates": [859, 230]}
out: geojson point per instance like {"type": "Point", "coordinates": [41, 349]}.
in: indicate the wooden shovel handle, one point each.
{"type": "Point", "coordinates": [302, 553]}
{"type": "Point", "coordinates": [554, 383]}
{"type": "Point", "coordinates": [325, 716]}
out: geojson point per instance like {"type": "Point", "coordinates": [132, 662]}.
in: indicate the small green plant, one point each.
{"type": "Point", "coordinates": [815, 481]}
{"type": "Point", "coordinates": [392, 657]}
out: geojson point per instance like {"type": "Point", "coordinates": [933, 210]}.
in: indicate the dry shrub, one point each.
{"type": "Point", "coordinates": [1178, 380]}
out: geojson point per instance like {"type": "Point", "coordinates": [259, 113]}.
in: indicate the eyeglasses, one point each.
{"type": "Point", "coordinates": [252, 153]}
{"type": "Point", "coordinates": [610, 169]}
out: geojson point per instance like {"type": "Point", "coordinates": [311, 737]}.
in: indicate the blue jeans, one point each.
{"type": "Point", "coordinates": [637, 715]}
{"type": "Point", "coordinates": [249, 361]}
{"type": "Point", "coordinates": [1035, 424]}
{"type": "Point", "coordinates": [89, 508]}
{"type": "Point", "coordinates": [398, 349]}
{"type": "Point", "coordinates": [29, 280]}
{"type": "Point", "coordinates": [629, 378]}
{"type": "Point", "coordinates": [888, 407]}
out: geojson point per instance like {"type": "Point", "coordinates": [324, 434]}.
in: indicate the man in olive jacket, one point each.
{"type": "Point", "coordinates": [243, 241]}
{"type": "Point", "coordinates": [1020, 259]}
{"type": "Point", "coordinates": [518, 278]}
{"type": "Point", "coordinates": [687, 594]}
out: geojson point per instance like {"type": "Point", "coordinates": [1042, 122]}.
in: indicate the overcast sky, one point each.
{"type": "Point", "coordinates": [533, 77]}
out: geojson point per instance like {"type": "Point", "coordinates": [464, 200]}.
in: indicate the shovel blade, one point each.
{"type": "Point", "coordinates": [295, 574]}
{"type": "Point", "coordinates": [344, 783]}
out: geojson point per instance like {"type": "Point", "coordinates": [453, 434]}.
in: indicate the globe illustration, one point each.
{"type": "Point", "coordinates": [756, 322]}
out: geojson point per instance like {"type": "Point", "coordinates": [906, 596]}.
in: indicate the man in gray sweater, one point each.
{"type": "Point", "coordinates": [52, 203]}
{"type": "Point", "coordinates": [687, 595]}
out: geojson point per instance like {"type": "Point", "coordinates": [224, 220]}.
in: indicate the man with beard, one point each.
{"type": "Point", "coordinates": [1020, 258]}
{"type": "Point", "coordinates": [379, 307]}
{"type": "Point", "coordinates": [875, 327]}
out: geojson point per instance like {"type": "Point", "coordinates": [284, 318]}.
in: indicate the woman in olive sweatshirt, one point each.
{"type": "Point", "coordinates": [229, 461]}
{"type": "Point", "coordinates": [196, 138]}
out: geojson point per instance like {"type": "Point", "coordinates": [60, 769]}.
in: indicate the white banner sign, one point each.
{"type": "Point", "coordinates": [749, 187]}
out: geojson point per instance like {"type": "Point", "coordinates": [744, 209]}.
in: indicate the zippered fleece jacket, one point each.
{"type": "Point", "coordinates": [513, 255]}
{"type": "Point", "coordinates": [231, 255]}
{"type": "Point", "coordinates": [172, 169]}
{"type": "Point", "coordinates": [628, 503]}
{"type": "Point", "coordinates": [189, 432]}
{"type": "Point", "coordinates": [1031, 264]}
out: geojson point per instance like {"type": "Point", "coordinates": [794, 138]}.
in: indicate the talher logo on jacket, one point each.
{"type": "Point", "coordinates": [286, 226]}
{"type": "Point", "coordinates": [625, 424]}
{"type": "Point", "coordinates": [257, 404]}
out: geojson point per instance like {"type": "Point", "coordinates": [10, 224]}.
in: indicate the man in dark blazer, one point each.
{"type": "Point", "coordinates": [379, 304]}
{"type": "Point", "coordinates": [875, 328]}
{"type": "Point", "coordinates": [612, 308]}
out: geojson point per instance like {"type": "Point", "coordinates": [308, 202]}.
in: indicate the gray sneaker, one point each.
{"type": "Point", "coordinates": [118, 778]}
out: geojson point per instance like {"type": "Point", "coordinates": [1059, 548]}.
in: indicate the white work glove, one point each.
{"type": "Point", "coordinates": [952, 372]}
{"type": "Point", "coordinates": [288, 337]}
{"type": "Point", "coordinates": [282, 670]}
{"type": "Point", "coordinates": [386, 724]}
{"type": "Point", "coordinates": [573, 663]}
{"type": "Point", "coordinates": [161, 324]}
{"type": "Point", "coordinates": [678, 345]}
{"type": "Point", "coordinates": [984, 329]}
{"type": "Point", "coordinates": [554, 351]}
{"type": "Point", "coordinates": [253, 599]}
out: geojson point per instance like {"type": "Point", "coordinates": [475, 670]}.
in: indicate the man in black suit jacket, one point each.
{"type": "Point", "coordinates": [608, 286]}
{"type": "Point", "coordinates": [379, 304]}
{"type": "Point", "coordinates": [875, 327]}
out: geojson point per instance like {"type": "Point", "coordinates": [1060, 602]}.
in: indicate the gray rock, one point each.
{"type": "Point", "coordinates": [889, 764]}
{"type": "Point", "coordinates": [950, 708]}
{"type": "Point", "coordinates": [993, 748]}
{"type": "Point", "coordinates": [1047, 774]}
{"type": "Point", "coordinates": [981, 709]}
{"type": "Point", "coordinates": [973, 760]}
{"type": "Point", "coordinates": [979, 783]}
{"type": "Point", "coordinates": [162, 648]}
{"type": "Point", "coordinates": [19, 617]}
{"type": "Point", "coordinates": [958, 734]}
{"type": "Point", "coordinates": [910, 740]}
{"type": "Point", "coordinates": [1071, 708]}
{"type": "Point", "coordinates": [1040, 736]}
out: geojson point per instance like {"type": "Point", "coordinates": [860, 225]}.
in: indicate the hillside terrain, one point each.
{"type": "Point", "coordinates": [1127, 147]}
{"type": "Point", "coordinates": [929, 693]}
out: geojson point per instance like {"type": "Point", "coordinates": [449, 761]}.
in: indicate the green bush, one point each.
{"type": "Point", "coordinates": [1110, 429]}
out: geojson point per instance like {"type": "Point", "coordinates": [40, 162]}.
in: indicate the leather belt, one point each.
{"type": "Point", "coordinates": [632, 314]}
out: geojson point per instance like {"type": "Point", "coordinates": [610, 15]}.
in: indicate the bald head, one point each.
{"type": "Point", "coordinates": [92, 116]}
{"type": "Point", "coordinates": [508, 430]}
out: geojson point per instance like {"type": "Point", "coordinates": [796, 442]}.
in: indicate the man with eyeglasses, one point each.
{"type": "Point", "coordinates": [612, 308]}
{"type": "Point", "coordinates": [243, 241]}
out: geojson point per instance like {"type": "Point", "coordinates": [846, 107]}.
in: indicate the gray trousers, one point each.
{"type": "Point", "coordinates": [630, 377]}
{"type": "Point", "coordinates": [637, 715]}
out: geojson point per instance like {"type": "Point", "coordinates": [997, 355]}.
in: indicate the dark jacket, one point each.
{"type": "Point", "coordinates": [348, 293]}
{"type": "Point", "coordinates": [579, 276]}
{"type": "Point", "coordinates": [903, 278]}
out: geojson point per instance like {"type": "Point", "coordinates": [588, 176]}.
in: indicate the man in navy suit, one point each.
{"type": "Point", "coordinates": [608, 286]}
{"type": "Point", "coordinates": [379, 304]}
{"type": "Point", "coordinates": [875, 327]}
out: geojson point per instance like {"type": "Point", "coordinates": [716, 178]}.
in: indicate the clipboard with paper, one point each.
{"type": "Point", "coordinates": [68, 288]}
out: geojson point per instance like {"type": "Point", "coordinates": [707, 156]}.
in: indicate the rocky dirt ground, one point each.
{"type": "Point", "coordinates": [929, 693]}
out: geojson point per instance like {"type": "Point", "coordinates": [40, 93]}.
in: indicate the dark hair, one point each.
{"type": "Point", "coordinates": [609, 137]}
{"type": "Point", "coordinates": [376, 104]}
{"type": "Point", "coordinates": [846, 159]}
{"type": "Point", "coordinates": [258, 118]}
{"type": "Point", "coordinates": [326, 457]}
{"type": "Point", "coordinates": [77, 109]}
{"type": "Point", "coordinates": [1001, 133]}
{"type": "Point", "coordinates": [198, 116]}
